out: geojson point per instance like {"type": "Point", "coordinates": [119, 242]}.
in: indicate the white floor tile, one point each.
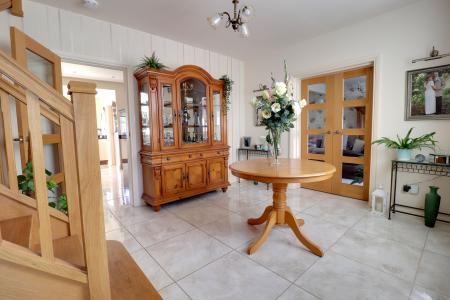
{"type": "Point", "coordinates": [434, 273]}
{"type": "Point", "coordinates": [232, 230]}
{"type": "Point", "coordinates": [283, 254]}
{"type": "Point", "coordinates": [233, 277]}
{"type": "Point", "coordinates": [173, 292]}
{"type": "Point", "coordinates": [151, 269]}
{"type": "Point", "coordinates": [187, 253]}
{"type": "Point", "coordinates": [157, 230]}
{"type": "Point", "coordinates": [296, 293]}
{"type": "Point", "coordinates": [392, 257]}
{"type": "Point", "coordinates": [123, 236]}
{"type": "Point", "coordinates": [336, 277]}
{"type": "Point", "coordinates": [439, 242]}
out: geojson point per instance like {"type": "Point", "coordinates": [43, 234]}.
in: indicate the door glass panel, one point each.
{"type": "Point", "coordinates": [316, 144]}
{"type": "Point", "coordinates": [353, 145]}
{"type": "Point", "coordinates": [195, 111]}
{"type": "Point", "coordinates": [355, 88]}
{"type": "Point", "coordinates": [40, 67]}
{"type": "Point", "coordinates": [316, 93]}
{"type": "Point", "coordinates": [217, 107]}
{"type": "Point", "coordinates": [354, 117]}
{"type": "Point", "coordinates": [166, 98]}
{"type": "Point", "coordinates": [316, 119]}
{"type": "Point", "coordinates": [145, 114]}
{"type": "Point", "coordinates": [353, 174]}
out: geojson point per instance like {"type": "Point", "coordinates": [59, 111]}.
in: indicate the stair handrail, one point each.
{"type": "Point", "coordinates": [78, 124]}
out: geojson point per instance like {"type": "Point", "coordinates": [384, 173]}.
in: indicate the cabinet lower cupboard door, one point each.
{"type": "Point", "coordinates": [216, 171]}
{"type": "Point", "coordinates": [196, 175]}
{"type": "Point", "coordinates": [173, 178]}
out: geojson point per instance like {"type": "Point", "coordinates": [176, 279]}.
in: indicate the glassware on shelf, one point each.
{"type": "Point", "coordinates": [168, 130]}
{"type": "Point", "coordinates": [195, 111]}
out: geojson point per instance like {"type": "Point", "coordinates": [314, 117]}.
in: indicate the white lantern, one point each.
{"type": "Point", "coordinates": [379, 201]}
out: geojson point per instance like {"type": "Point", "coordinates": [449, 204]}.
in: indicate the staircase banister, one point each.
{"type": "Point", "coordinates": [21, 76]}
{"type": "Point", "coordinates": [90, 189]}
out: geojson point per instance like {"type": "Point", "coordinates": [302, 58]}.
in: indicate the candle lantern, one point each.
{"type": "Point", "coordinates": [379, 201]}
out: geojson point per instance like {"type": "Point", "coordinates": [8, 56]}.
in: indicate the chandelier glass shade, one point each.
{"type": "Point", "coordinates": [237, 20]}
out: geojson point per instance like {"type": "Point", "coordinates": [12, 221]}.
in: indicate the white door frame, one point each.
{"type": "Point", "coordinates": [131, 129]}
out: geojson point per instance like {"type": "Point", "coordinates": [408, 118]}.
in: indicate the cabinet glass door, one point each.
{"type": "Point", "coordinates": [217, 117]}
{"type": "Point", "coordinates": [145, 113]}
{"type": "Point", "coordinates": [194, 111]}
{"type": "Point", "coordinates": [168, 119]}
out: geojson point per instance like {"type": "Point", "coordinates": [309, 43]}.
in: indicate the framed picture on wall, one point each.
{"type": "Point", "coordinates": [428, 93]}
{"type": "Point", "coordinates": [258, 112]}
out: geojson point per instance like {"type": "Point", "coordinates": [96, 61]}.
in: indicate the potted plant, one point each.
{"type": "Point", "coordinates": [406, 144]}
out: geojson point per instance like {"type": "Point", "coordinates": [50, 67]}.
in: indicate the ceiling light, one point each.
{"type": "Point", "coordinates": [90, 3]}
{"type": "Point", "coordinates": [239, 20]}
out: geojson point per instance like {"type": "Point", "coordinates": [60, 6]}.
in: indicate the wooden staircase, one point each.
{"type": "Point", "coordinates": [44, 253]}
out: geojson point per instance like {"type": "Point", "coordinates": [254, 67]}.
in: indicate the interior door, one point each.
{"type": "Point", "coordinates": [317, 124]}
{"type": "Point", "coordinates": [352, 133]}
{"type": "Point", "coordinates": [336, 128]}
{"type": "Point", "coordinates": [196, 175]}
{"type": "Point", "coordinates": [216, 171]}
{"type": "Point", "coordinates": [173, 178]}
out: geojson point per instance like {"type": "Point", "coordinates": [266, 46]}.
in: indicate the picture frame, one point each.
{"type": "Point", "coordinates": [428, 94]}
{"type": "Point", "coordinates": [258, 112]}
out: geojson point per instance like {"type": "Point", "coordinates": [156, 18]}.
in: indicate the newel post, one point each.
{"type": "Point", "coordinates": [91, 200]}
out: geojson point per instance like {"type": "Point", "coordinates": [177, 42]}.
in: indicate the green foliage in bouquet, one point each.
{"type": "Point", "coordinates": [279, 109]}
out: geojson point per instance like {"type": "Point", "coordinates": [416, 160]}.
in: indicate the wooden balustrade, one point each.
{"type": "Point", "coordinates": [85, 120]}
{"type": "Point", "coordinates": [79, 175]}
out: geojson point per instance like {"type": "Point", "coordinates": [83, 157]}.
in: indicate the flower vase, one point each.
{"type": "Point", "coordinates": [432, 202]}
{"type": "Point", "coordinates": [275, 136]}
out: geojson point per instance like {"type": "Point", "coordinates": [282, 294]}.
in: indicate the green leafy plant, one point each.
{"type": "Point", "coordinates": [152, 62]}
{"type": "Point", "coordinates": [228, 88]}
{"type": "Point", "coordinates": [60, 203]}
{"type": "Point", "coordinates": [26, 186]}
{"type": "Point", "coordinates": [407, 142]}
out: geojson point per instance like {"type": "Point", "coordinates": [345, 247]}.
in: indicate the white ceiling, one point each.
{"type": "Point", "coordinates": [276, 23]}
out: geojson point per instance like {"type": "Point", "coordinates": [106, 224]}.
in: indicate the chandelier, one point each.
{"type": "Point", "coordinates": [239, 20]}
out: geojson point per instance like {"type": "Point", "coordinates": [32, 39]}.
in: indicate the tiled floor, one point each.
{"type": "Point", "coordinates": [195, 249]}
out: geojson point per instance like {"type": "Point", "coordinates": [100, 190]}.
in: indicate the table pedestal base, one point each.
{"type": "Point", "coordinates": [280, 214]}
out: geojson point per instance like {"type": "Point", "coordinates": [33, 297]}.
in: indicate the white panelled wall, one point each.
{"type": "Point", "coordinates": [88, 40]}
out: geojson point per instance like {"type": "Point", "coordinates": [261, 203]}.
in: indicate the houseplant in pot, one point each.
{"type": "Point", "coordinates": [405, 145]}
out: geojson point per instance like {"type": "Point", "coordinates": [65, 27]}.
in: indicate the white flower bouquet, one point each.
{"type": "Point", "coordinates": [279, 110]}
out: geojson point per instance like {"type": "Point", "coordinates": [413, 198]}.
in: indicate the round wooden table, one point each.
{"type": "Point", "coordinates": [288, 171]}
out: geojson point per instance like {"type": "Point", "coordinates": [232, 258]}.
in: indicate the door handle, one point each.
{"type": "Point", "coordinates": [337, 132]}
{"type": "Point", "coordinates": [326, 132]}
{"type": "Point", "coordinates": [19, 139]}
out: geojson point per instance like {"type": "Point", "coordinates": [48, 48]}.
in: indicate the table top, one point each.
{"type": "Point", "coordinates": [288, 171]}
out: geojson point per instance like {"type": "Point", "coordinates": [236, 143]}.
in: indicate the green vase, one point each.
{"type": "Point", "coordinates": [432, 202]}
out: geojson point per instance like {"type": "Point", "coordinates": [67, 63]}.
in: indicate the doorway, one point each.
{"type": "Point", "coordinates": [112, 127]}
{"type": "Point", "coordinates": [337, 129]}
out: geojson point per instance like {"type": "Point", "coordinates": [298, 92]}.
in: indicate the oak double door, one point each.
{"type": "Point", "coordinates": [336, 128]}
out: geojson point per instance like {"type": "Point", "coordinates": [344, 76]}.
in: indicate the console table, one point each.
{"type": "Point", "coordinates": [413, 167]}
{"type": "Point", "coordinates": [253, 153]}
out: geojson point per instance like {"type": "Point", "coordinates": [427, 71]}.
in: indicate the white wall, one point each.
{"type": "Point", "coordinates": [392, 40]}
{"type": "Point", "coordinates": [78, 37]}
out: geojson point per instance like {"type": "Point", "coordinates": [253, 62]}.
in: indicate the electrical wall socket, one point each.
{"type": "Point", "coordinates": [414, 189]}
{"type": "Point", "coordinates": [411, 189]}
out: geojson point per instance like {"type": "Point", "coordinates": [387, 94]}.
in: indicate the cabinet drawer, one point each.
{"type": "Point", "coordinates": [175, 158]}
